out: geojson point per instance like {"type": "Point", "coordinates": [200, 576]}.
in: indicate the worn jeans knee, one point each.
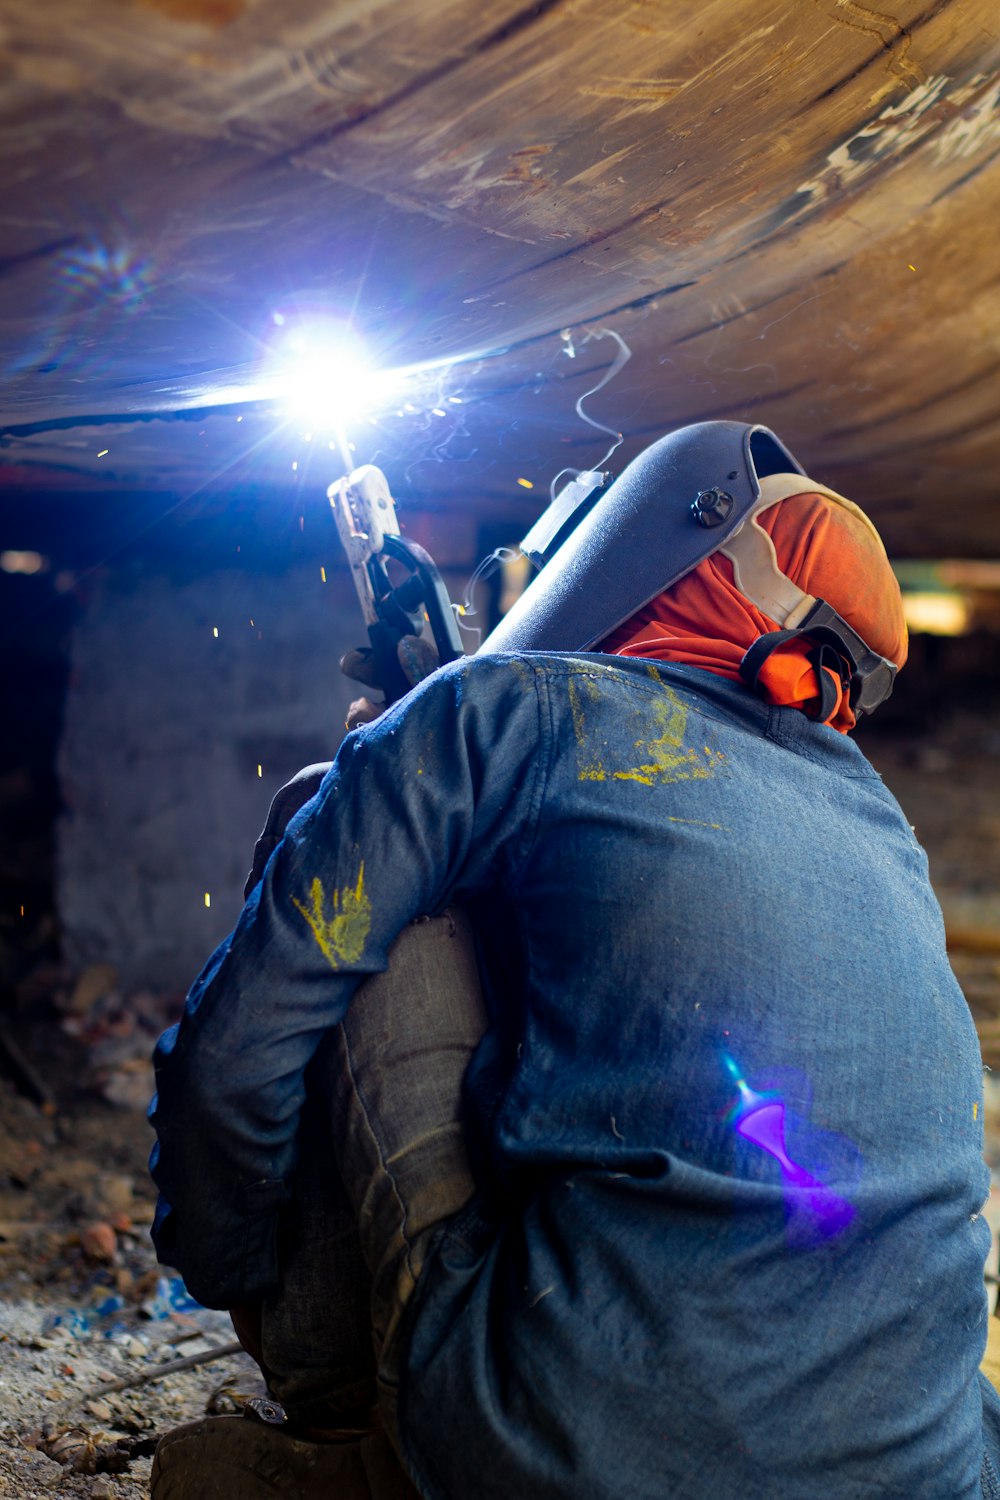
{"type": "Point", "coordinates": [386, 1093]}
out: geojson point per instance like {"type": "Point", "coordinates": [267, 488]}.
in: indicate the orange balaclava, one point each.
{"type": "Point", "coordinates": [704, 620]}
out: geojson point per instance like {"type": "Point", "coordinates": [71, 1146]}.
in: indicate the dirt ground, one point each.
{"type": "Point", "coordinates": [949, 787]}
{"type": "Point", "coordinates": [82, 1302]}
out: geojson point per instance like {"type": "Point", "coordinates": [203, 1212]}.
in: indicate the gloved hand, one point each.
{"type": "Point", "coordinates": [417, 657]}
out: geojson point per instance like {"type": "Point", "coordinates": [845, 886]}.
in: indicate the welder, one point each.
{"type": "Point", "coordinates": [671, 1183]}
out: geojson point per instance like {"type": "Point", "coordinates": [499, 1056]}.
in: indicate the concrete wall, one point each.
{"type": "Point", "coordinates": [165, 726]}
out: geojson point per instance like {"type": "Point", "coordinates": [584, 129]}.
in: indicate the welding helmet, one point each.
{"type": "Point", "coordinates": [692, 493]}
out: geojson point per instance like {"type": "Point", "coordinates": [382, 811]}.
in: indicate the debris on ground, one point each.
{"type": "Point", "coordinates": [101, 1349]}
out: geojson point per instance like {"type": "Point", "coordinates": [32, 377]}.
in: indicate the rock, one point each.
{"type": "Point", "coordinates": [113, 1194]}
{"type": "Point", "coordinates": [131, 1086]}
{"type": "Point", "coordinates": [101, 1488]}
{"type": "Point", "coordinates": [150, 1009]}
{"type": "Point", "coordinates": [38, 1461]}
{"type": "Point", "coordinates": [74, 1448]}
{"type": "Point", "coordinates": [125, 1282]}
{"type": "Point", "coordinates": [95, 983]}
{"type": "Point", "coordinates": [98, 1242]}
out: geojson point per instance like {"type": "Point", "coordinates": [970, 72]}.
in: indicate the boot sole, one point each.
{"type": "Point", "coordinates": [234, 1458]}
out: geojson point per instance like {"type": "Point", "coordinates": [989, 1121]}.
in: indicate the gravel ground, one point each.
{"type": "Point", "coordinates": [949, 788]}
{"type": "Point", "coordinates": [82, 1303]}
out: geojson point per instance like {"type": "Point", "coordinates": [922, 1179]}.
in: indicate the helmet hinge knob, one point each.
{"type": "Point", "coordinates": [712, 507]}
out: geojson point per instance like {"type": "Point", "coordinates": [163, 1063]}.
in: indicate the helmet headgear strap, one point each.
{"type": "Point", "coordinates": [864, 676]}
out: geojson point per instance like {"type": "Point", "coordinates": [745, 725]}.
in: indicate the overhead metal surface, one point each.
{"type": "Point", "coordinates": [788, 211]}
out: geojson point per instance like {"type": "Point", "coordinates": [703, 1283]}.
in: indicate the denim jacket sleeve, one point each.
{"type": "Point", "coordinates": [437, 797]}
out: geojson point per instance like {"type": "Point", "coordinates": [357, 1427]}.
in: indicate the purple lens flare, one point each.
{"type": "Point", "coordinates": [760, 1119]}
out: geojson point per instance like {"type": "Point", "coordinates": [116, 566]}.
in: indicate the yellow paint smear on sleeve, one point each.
{"type": "Point", "coordinates": [667, 758]}
{"type": "Point", "coordinates": [698, 823]}
{"type": "Point", "coordinates": [340, 937]}
{"type": "Point", "coordinates": [664, 756]}
{"type": "Point", "coordinates": [580, 689]}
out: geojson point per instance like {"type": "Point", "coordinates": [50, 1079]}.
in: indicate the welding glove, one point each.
{"type": "Point", "coordinates": [417, 657]}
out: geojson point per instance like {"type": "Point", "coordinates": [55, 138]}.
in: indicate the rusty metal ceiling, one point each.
{"type": "Point", "coordinates": [787, 209]}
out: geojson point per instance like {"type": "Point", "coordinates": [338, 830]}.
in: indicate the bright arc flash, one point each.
{"type": "Point", "coordinates": [326, 377]}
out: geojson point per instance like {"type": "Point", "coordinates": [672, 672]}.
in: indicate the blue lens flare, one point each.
{"type": "Point", "coordinates": [761, 1119]}
{"type": "Point", "coordinates": [112, 275]}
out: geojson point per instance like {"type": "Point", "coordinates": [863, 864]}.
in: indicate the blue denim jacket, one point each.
{"type": "Point", "coordinates": [730, 1098]}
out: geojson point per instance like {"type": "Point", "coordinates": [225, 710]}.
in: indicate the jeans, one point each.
{"type": "Point", "coordinates": [382, 1166]}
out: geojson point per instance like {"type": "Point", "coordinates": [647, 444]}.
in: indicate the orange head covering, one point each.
{"type": "Point", "coordinates": [704, 620]}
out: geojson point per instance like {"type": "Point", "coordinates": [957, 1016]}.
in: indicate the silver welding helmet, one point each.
{"type": "Point", "coordinates": [693, 492]}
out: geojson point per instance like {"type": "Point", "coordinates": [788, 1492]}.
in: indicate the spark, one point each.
{"type": "Point", "coordinates": [912, 268]}
{"type": "Point", "coordinates": [322, 573]}
{"type": "Point", "coordinates": [295, 465]}
{"type": "Point", "coordinates": [526, 484]}
{"type": "Point", "coordinates": [104, 453]}
{"type": "Point", "coordinates": [215, 631]}
{"type": "Point", "coordinates": [208, 898]}
{"type": "Point", "coordinates": [260, 770]}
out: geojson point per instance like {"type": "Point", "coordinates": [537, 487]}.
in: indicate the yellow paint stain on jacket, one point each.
{"type": "Point", "coordinates": [697, 823]}
{"type": "Point", "coordinates": [341, 937]}
{"type": "Point", "coordinates": [664, 756]}
{"type": "Point", "coordinates": [667, 758]}
{"type": "Point", "coordinates": [582, 689]}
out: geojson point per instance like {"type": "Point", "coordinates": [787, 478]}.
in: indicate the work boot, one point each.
{"type": "Point", "coordinates": [257, 1456]}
